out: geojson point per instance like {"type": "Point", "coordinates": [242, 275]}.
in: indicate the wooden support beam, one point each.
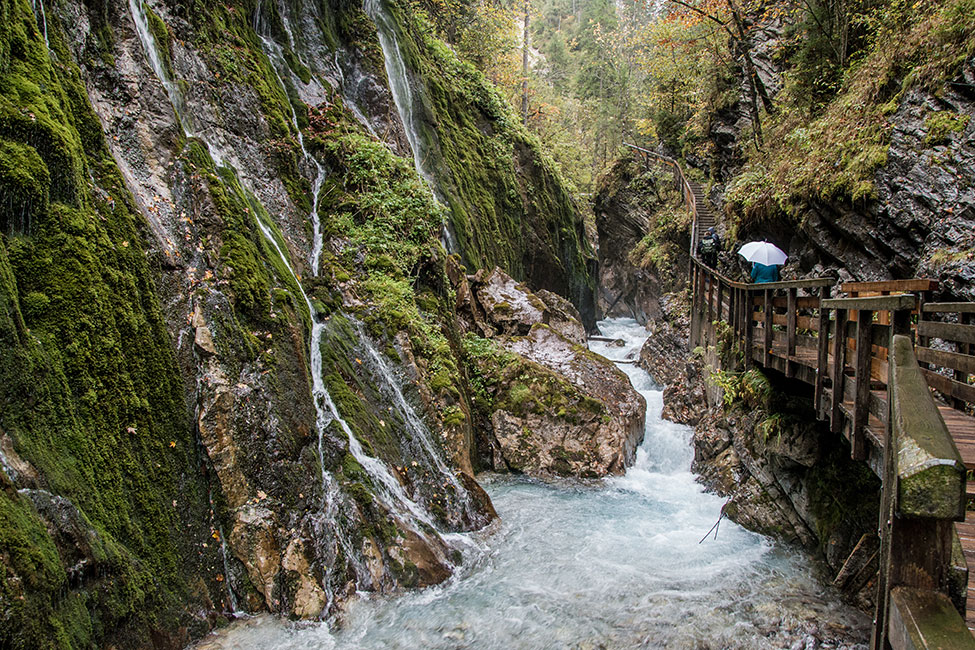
{"type": "Point", "coordinates": [710, 280]}
{"type": "Point", "coordinates": [957, 332]}
{"type": "Point", "coordinates": [858, 443]}
{"type": "Point", "coordinates": [839, 361]}
{"type": "Point", "coordinates": [748, 315]}
{"type": "Point", "coordinates": [961, 376]}
{"type": "Point", "coordinates": [954, 390]}
{"type": "Point", "coordinates": [949, 308]}
{"type": "Point", "coordinates": [914, 284]}
{"type": "Point", "coordinates": [945, 359]}
{"type": "Point", "coordinates": [822, 357]}
{"type": "Point", "coordinates": [768, 328]}
{"type": "Point", "coordinates": [874, 303]}
{"type": "Point", "coordinates": [720, 315]}
{"type": "Point", "coordinates": [923, 492]}
{"type": "Point", "coordinates": [790, 330]}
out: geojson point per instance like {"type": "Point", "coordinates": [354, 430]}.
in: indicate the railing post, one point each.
{"type": "Point", "coordinates": [861, 405]}
{"type": "Point", "coordinates": [749, 314]}
{"type": "Point", "coordinates": [720, 299]}
{"type": "Point", "coordinates": [733, 311]}
{"type": "Point", "coordinates": [822, 359]}
{"type": "Point", "coordinates": [790, 346]}
{"type": "Point", "coordinates": [839, 363]}
{"type": "Point", "coordinates": [710, 279]}
{"type": "Point", "coordinates": [962, 348]}
{"type": "Point", "coordinates": [693, 341]}
{"type": "Point", "coordinates": [769, 318]}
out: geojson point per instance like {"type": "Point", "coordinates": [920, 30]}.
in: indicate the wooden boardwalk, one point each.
{"type": "Point", "coordinates": [843, 348]}
{"type": "Point", "coordinates": [874, 359]}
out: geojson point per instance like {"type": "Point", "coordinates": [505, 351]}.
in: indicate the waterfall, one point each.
{"type": "Point", "coordinates": [390, 386]}
{"type": "Point", "coordinates": [227, 576]}
{"type": "Point", "coordinates": [173, 91]}
{"type": "Point", "coordinates": [43, 17]}
{"type": "Point", "coordinates": [399, 83]}
{"type": "Point", "coordinates": [399, 86]}
{"type": "Point", "coordinates": [278, 64]}
{"type": "Point", "coordinates": [389, 493]}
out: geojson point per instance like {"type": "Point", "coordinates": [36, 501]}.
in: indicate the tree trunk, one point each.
{"type": "Point", "coordinates": [524, 67]}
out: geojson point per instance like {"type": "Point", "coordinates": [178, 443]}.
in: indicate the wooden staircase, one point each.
{"type": "Point", "coordinates": [702, 209]}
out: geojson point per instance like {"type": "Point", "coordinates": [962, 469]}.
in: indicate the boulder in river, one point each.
{"type": "Point", "coordinates": [548, 405]}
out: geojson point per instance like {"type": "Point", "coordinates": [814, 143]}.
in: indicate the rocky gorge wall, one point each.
{"type": "Point", "coordinates": [233, 376]}
{"type": "Point", "coordinates": [871, 183]}
{"type": "Point", "coordinates": [874, 180]}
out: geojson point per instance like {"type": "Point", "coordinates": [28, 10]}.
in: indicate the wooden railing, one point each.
{"type": "Point", "coordinates": [956, 354]}
{"type": "Point", "coordinates": [683, 186]}
{"type": "Point", "coordinates": [858, 355]}
{"type": "Point", "coordinates": [921, 573]}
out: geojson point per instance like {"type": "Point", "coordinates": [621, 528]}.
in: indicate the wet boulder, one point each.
{"type": "Point", "coordinates": [500, 304]}
{"type": "Point", "coordinates": [548, 405]}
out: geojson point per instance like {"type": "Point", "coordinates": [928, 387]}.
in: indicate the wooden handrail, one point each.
{"type": "Point", "coordinates": [808, 283]}
{"type": "Point", "coordinates": [851, 360]}
{"type": "Point", "coordinates": [907, 286]}
{"type": "Point", "coordinates": [686, 190]}
{"type": "Point", "coordinates": [950, 307]}
{"type": "Point", "coordinates": [930, 471]}
{"type": "Point", "coordinates": [923, 492]}
{"type": "Point", "coordinates": [873, 303]}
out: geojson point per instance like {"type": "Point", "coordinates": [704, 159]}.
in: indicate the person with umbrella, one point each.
{"type": "Point", "coordinates": [765, 259]}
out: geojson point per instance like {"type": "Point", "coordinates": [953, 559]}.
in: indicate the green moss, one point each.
{"type": "Point", "coordinates": [833, 155]}
{"type": "Point", "coordinates": [24, 183]}
{"type": "Point", "coordinates": [509, 206]}
{"type": "Point", "coordinates": [162, 37]}
{"type": "Point", "coordinates": [92, 395]}
{"type": "Point", "coordinates": [502, 380]}
{"type": "Point", "coordinates": [942, 124]}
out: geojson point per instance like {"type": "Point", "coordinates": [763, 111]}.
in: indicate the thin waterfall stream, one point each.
{"type": "Point", "coordinates": [618, 563]}
{"type": "Point", "coordinates": [399, 86]}
{"type": "Point", "coordinates": [280, 66]}
{"type": "Point", "coordinates": [391, 494]}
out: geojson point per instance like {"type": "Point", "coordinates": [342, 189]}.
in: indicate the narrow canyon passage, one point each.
{"type": "Point", "coordinates": [606, 564]}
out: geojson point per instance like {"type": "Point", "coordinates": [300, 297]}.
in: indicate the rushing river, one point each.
{"type": "Point", "coordinates": [618, 563]}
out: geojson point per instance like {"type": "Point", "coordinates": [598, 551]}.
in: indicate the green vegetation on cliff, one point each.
{"type": "Point", "coordinates": [830, 150]}
{"type": "Point", "coordinates": [509, 204]}
{"type": "Point", "coordinates": [90, 394]}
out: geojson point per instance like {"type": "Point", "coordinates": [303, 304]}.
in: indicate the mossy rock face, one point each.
{"type": "Point", "coordinates": [509, 207]}
{"type": "Point", "coordinates": [99, 546]}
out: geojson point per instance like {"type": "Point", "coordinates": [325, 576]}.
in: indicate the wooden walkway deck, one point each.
{"type": "Point", "coordinates": [831, 344]}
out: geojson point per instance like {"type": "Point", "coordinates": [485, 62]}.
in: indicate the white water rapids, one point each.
{"type": "Point", "coordinates": [607, 564]}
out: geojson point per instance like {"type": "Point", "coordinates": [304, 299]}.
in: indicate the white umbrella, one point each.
{"type": "Point", "coordinates": [763, 253]}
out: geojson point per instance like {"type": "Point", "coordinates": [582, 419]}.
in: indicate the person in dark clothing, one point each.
{"type": "Point", "coordinates": [765, 273]}
{"type": "Point", "coordinates": [708, 247]}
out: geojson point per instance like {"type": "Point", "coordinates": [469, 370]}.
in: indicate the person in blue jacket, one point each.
{"type": "Point", "coordinates": [765, 272]}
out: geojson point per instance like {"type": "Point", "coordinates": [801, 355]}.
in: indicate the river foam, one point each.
{"type": "Point", "coordinates": [621, 563]}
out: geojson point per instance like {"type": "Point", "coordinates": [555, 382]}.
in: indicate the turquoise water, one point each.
{"type": "Point", "coordinates": [618, 563]}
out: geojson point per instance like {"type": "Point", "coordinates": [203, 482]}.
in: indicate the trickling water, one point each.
{"type": "Point", "coordinates": [416, 429]}
{"type": "Point", "coordinates": [399, 82]}
{"type": "Point", "coordinates": [611, 564]}
{"type": "Point", "coordinates": [43, 17]}
{"type": "Point", "coordinates": [280, 66]}
{"type": "Point", "coordinates": [390, 492]}
{"type": "Point", "coordinates": [173, 90]}
{"type": "Point", "coordinates": [399, 85]}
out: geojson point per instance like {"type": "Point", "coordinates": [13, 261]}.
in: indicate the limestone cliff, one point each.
{"type": "Point", "coordinates": [230, 376]}
{"type": "Point", "coordinates": [644, 236]}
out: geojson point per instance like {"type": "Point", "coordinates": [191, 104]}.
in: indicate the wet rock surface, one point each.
{"type": "Point", "coordinates": [628, 196]}
{"type": "Point", "coordinates": [551, 406]}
